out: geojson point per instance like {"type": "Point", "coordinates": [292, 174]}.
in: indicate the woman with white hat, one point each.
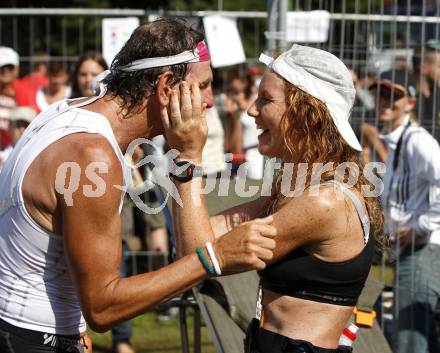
{"type": "Point", "coordinates": [326, 230]}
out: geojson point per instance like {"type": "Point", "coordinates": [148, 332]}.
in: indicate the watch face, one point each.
{"type": "Point", "coordinates": [183, 171]}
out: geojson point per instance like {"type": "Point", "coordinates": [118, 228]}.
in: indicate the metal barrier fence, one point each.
{"type": "Point", "coordinates": [367, 41]}
{"type": "Point", "coordinates": [373, 37]}
{"type": "Point", "coordinates": [65, 34]}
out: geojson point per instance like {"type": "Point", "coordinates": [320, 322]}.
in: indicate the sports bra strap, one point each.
{"type": "Point", "coordinates": [363, 217]}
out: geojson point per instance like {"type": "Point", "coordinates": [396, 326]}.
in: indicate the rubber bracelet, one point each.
{"type": "Point", "coordinates": [214, 261]}
{"type": "Point", "coordinates": [204, 261]}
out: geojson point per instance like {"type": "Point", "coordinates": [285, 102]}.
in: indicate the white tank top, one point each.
{"type": "Point", "coordinates": [36, 290]}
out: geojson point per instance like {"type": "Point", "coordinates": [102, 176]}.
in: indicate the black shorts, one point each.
{"type": "Point", "coordinates": [18, 340]}
{"type": "Point", "coordinates": [259, 340]}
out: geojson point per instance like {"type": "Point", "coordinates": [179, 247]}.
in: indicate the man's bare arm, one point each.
{"type": "Point", "coordinates": [91, 231]}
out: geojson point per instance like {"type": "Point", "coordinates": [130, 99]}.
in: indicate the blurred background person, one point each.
{"type": "Point", "coordinates": [9, 68]}
{"type": "Point", "coordinates": [243, 134]}
{"type": "Point", "coordinates": [411, 206]}
{"type": "Point", "coordinates": [88, 66]}
{"type": "Point", "coordinates": [426, 64]}
{"type": "Point", "coordinates": [213, 153]}
{"type": "Point", "coordinates": [28, 86]}
{"type": "Point", "coordinates": [57, 87]}
{"type": "Point", "coordinates": [20, 119]}
{"type": "Point", "coordinates": [364, 99]}
{"type": "Point", "coordinates": [5, 135]}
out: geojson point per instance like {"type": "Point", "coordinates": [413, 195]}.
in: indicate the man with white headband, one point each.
{"type": "Point", "coordinates": [60, 244]}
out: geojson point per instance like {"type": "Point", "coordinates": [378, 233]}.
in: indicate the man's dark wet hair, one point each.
{"type": "Point", "coordinates": [163, 37]}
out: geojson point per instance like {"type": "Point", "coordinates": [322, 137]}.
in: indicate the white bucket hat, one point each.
{"type": "Point", "coordinates": [323, 76]}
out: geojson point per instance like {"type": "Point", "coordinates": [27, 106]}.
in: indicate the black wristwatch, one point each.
{"type": "Point", "coordinates": [184, 171]}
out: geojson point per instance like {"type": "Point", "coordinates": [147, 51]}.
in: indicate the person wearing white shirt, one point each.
{"type": "Point", "coordinates": [411, 204]}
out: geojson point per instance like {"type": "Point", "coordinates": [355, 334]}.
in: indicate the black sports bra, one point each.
{"type": "Point", "coordinates": [302, 275]}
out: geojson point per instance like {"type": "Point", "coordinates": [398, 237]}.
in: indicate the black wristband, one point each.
{"type": "Point", "coordinates": [184, 171]}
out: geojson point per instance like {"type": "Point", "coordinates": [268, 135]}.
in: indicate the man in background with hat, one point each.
{"type": "Point", "coordinates": [411, 205]}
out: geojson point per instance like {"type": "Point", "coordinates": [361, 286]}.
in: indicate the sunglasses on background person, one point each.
{"type": "Point", "coordinates": [388, 91]}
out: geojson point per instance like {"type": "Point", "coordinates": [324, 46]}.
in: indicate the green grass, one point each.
{"type": "Point", "coordinates": [150, 335]}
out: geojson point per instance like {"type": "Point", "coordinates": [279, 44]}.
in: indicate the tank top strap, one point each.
{"type": "Point", "coordinates": [363, 217]}
{"type": "Point", "coordinates": [59, 129]}
{"type": "Point", "coordinates": [36, 124]}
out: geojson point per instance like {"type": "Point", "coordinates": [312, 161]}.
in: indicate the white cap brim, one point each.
{"type": "Point", "coordinates": [346, 131]}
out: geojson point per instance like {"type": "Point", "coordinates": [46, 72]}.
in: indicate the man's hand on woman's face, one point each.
{"type": "Point", "coordinates": [184, 122]}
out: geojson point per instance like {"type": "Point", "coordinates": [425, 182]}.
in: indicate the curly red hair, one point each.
{"type": "Point", "coordinates": [310, 136]}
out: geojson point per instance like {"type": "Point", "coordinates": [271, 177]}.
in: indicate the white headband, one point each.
{"type": "Point", "coordinates": [148, 63]}
{"type": "Point", "coordinates": [199, 54]}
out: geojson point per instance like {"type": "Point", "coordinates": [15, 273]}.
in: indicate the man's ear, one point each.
{"type": "Point", "coordinates": [164, 87]}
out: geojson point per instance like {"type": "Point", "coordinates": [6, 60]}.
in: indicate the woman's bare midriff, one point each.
{"type": "Point", "coordinates": [318, 323]}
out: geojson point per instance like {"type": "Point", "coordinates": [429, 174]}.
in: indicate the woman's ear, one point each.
{"type": "Point", "coordinates": [164, 88]}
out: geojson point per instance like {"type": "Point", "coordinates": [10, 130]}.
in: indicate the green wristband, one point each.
{"type": "Point", "coordinates": [204, 261]}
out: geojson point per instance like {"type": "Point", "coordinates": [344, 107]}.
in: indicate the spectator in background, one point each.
{"type": "Point", "coordinates": [57, 87]}
{"type": "Point", "coordinates": [88, 66]}
{"type": "Point", "coordinates": [9, 62]}
{"type": "Point", "coordinates": [5, 135]}
{"type": "Point", "coordinates": [243, 134]}
{"type": "Point", "coordinates": [426, 64]}
{"type": "Point", "coordinates": [156, 234]}
{"type": "Point", "coordinates": [28, 86]}
{"type": "Point", "coordinates": [20, 119]}
{"type": "Point", "coordinates": [412, 211]}
{"type": "Point", "coordinates": [364, 99]}
{"type": "Point", "coordinates": [213, 153]}
{"type": "Point", "coordinates": [257, 74]}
